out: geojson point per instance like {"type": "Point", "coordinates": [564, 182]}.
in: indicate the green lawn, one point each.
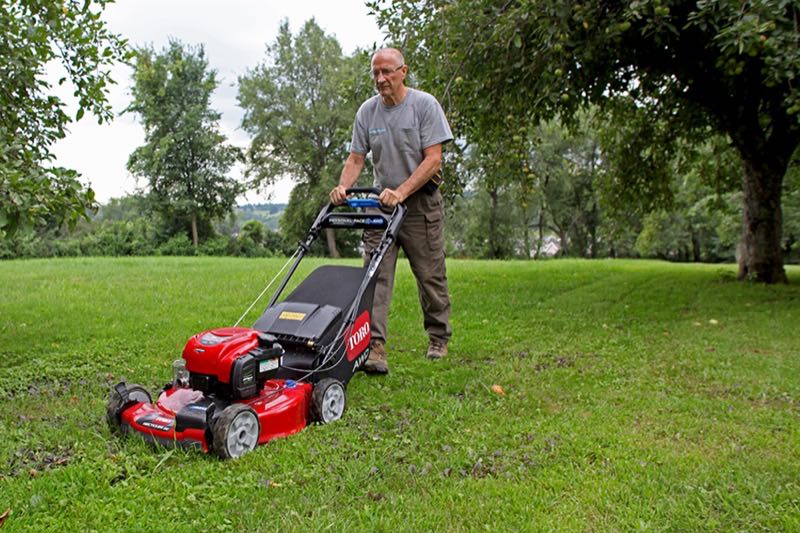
{"type": "Point", "coordinates": [638, 396]}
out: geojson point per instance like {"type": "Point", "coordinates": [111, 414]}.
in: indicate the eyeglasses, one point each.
{"type": "Point", "coordinates": [378, 72]}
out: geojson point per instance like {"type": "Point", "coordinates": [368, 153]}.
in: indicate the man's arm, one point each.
{"type": "Point", "coordinates": [350, 172]}
{"type": "Point", "coordinates": [429, 166]}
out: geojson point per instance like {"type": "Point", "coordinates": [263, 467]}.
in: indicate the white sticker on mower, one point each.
{"type": "Point", "coordinates": [267, 365]}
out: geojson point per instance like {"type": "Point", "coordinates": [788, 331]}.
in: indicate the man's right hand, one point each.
{"type": "Point", "coordinates": [338, 195]}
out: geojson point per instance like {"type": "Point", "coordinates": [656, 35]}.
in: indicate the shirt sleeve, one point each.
{"type": "Point", "coordinates": [434, 128]}
{"type": "Point", "coordinates": [360, 141]}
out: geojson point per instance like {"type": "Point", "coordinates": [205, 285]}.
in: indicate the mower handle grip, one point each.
{"type": "Point", "coordinates": [367, 190]}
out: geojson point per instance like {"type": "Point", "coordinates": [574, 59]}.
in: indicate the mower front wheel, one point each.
{"type": "Point", "coordinates": [116, 404]}
{"type": "Point", "coordinates": [236, 431]}
{"type": "Point", "coordinates": [328, 400]}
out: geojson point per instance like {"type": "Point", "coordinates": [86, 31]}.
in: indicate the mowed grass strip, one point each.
{"type": "Point", "coordinates": [577, 395]}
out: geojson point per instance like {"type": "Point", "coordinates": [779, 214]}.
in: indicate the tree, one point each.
{"type": "Point", "coordinates": [299, 108]}
{"type": "Point", "coordinates": [562, 167]}
{"type": "Point", "coordinates": [33, 34]}
{"type": "Point", "coordinates": [483, 223]}
{"type": "Point", "coordinates": [727, 66]}
{"type": "Point", "coordinates": [691, 211]}
{"type": "Point", "coordinates": [184, 158]}
{"type": "Point", "coordinates": [253, 230]}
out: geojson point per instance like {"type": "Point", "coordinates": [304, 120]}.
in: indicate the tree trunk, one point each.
{"type": "Point", "coordinates": [594, 216]}
{"type": "Point", "coordinates": [540, 239]}
{"type": "Point", "coordinates": [761, 257]}
{"type": "Point", "coordinates": [563, 239]}
{"type": "Point", "coordinates": [696, 248]}
{"type": "Point", "coordinates": [526, 235]}
{"type": "Point", "coordinates": [330, 237]}
{"type": "Point", "coordinates": [194, 230]}
{"type": "Point", "coordinates": [493, 223]}
{"type": "Point", "coordinates": [591, 229]}
{"type": "Point", "coordinates": [765, 137]}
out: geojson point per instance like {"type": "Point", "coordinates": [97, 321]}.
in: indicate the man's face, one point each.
{"type": "Point", "coordinates": [388, 74]}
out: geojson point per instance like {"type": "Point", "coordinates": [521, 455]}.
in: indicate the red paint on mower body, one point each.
{"type": "Point", "coordinates": [216, 359]}
{"type": "Point", "coordinates": [282, 407]}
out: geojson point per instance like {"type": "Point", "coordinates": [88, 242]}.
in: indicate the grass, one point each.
{"type": "Point", "coordinates": [638, 396]}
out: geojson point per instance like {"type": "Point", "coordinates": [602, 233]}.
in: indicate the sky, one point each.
{"type": "Point", "coordinates": [235, 34]}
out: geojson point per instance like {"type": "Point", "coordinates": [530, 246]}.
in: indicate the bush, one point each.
{"type": "Point", "coordinates": [253, 230]}
{"type": "Point", "coordinates": [275, 244]}
{"type": "Point", "coordinates": [67, 248]}
{"type": "Point", "coordinates": [177, 245]}
{"type": "Point", "coordinates": [664, 236]}
{"type": "Point", "coordinates": [245, 247]}
{"type": "Point", "coordinates": [217, 246]}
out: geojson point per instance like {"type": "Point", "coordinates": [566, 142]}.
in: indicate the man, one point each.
{"type": "Point", "coordinates": [404, 129]}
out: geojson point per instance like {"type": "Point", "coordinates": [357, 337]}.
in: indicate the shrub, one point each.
{"type": "Point", "coordinates": [177, 245]}
{"type": "Point", "coordinates": [217, 246]}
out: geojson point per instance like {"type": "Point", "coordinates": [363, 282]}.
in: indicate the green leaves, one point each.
{"type": "Point", "coordinates": [184, 158]}
{"type": "Point", "coordinates": [691, 65]}
{"type": "Point", "coordinates": [35, 33]}
{"type": "Point", "coordinates": [299, 106]}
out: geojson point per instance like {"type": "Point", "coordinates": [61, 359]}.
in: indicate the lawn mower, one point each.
{"type": "Point", "coordinates": [236, 387]}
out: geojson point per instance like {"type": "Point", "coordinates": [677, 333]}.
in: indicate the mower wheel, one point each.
{"type": "Point", "coordinates": [328, 400]}
{"type": "Point", "coordinates": [136, 393]}
{"type": "Point", "coordinates": [236, 431]}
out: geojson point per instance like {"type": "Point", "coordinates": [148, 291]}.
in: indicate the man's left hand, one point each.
{"type": "Point", "coordinates": [391, 197]}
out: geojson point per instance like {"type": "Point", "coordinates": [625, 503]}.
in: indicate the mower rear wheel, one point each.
{"type": "Point", "coordinates": [236, 431]}
{"type": "Point", "coordinates": [136, 393]}
{"type": "Point", "coordinates": [328, 400]}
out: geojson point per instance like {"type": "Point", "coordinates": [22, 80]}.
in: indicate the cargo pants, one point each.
{"type": "Point", "coordinates": [422, 238]}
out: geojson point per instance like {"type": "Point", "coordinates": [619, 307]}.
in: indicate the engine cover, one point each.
{"type": "Point", "coordinates": [233, 362]}
{"type": "Point", "coordinates": [213, 352]}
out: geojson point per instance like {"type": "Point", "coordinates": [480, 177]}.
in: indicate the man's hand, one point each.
{"type": "Point", "coordinates": [338, 195]}
{"type": "Point", "coordinates": [349, 177]}
{"type": "Point", "coordinates": [391, 197]}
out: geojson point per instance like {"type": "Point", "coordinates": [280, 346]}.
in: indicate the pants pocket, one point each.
{"type": "Point", "coordinates": [434, 231]}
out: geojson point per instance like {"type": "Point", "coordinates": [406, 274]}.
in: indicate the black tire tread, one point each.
{"type": "Point", "coordinates": [221, 426]}
{"type": "Point", "coordinates": [318, 394]}
{"type": "Point", "coordinates": [115, 404]}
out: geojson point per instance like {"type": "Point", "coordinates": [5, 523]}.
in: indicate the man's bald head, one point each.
{"type": "Point", "coordinates": [393, 54]}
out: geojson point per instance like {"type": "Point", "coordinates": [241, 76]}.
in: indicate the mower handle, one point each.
{"type": "Point", "coordinates": [362, 202]}
{"type": "Point", "coordinates": [348, 220]}
{"type": "Point", "coordinates": [363, 190]}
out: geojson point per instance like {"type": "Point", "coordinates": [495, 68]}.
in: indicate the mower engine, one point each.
{"type": "Point", "coordinates": [231, 363]}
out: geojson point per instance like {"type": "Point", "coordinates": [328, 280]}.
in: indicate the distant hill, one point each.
{"type": "Point", "coordinates": [268, 214]}
{"type": "Point", "coordinates": [132, 206]}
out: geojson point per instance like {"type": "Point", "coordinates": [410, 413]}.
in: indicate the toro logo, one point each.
{"type": "Point", "coordinates": [358, 336]}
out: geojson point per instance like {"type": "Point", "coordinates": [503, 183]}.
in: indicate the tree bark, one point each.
{"type": "Point", "coordinates": [194, 230]}
{"type": "Point", "coordinates": [493, 223]}
{"type": "Point", "coordinates": [761, 257]}
{"type": "Point", "coordinates": [330, 237]}
{"type": "Point", "coordinates": [540, 233]}
{"type": "Point", "coordinates": [696, 255]}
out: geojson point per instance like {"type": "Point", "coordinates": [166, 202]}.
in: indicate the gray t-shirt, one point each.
{"type": "Point", "coordinates": [397, 135]}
